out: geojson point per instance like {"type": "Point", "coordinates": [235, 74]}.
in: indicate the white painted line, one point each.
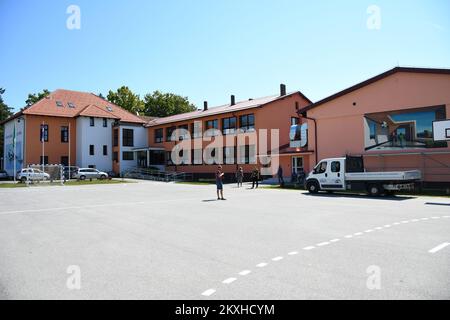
{"type": "Point", "coordinates": [435, 218]}
{"type": "Point", "coordinates": [387, 226]}
{"type": "Point", "coordinates": [439, 247]}
{"type": "Point", "coordinates": [379, 228]}
{"type": "Point", "coordinates": [396, 223]}
{"type": "Point", "coordinates": [208, 292]}
{"type": "Point", "coordinates": [322, 244]}
{"type": "Point", "coordinates": [229, 280]}
{"type": "Point", "coordinates": [424, 219]}
{"type": "Point", "coordinates": [244, 273]}
{"type": "Point", "coordinates": [415, 220]}
{"type": "Point", "coordinates": [277, 259]}
{"type": "Point", "coordinates": [358, 234]}
{"type": "Point", "coordinates": [446, 217]}
{"type": "Point", "coordinates": [368, 231]}
{"type": "Point", "coordinates": [349, 236]}
{"type": "Point", "coordinates": [405, 222]}
{"type": "Point", "coordinates": [309, 248]}
{"type": "Point", "coordinates": [261, 265]}
{"type": "Point", "coordinates": [293, 253]}
{"type": "Point", "coordinates": [335, 240]}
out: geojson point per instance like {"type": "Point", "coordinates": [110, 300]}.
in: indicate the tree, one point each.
{"type": "Point", "coordinates": [126, 99]}
{"type": "Point", "coordinates": [5, 113]}
{"type": "Point", "coordinates": [160, 104]}
{"type": "Point", "coordinates": [35, 97]}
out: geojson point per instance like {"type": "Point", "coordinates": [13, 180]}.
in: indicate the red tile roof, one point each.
{"type": "Point", "coordinates": [242, 105]}
{"type": "Point", "coordinates": [84, 103]}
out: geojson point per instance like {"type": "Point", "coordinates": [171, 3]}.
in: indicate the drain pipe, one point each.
{"type": "Point", "coordinates": [315, 133]}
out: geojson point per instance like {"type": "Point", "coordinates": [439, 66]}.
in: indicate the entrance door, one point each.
{"type": "Point", "coordinates": [297, 164]}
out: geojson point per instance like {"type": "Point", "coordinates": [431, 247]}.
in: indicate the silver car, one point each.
{"type": "Point", "coordinates": [89, 173]}
{"type": "Point", "coordinates": [29, 174]}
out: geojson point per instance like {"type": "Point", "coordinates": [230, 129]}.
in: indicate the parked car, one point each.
{"type": "Point", "coordinates": [4, 175]}
{"type": "Point", "coordinates": [29, 174]}
{"type": "Point", "coordinates": [70, 172]}
{"type": "Point", "coordinates": [89, 173]}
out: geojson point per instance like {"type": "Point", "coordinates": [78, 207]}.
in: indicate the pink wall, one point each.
{"type": "Point", "coordinates": [341, 124]}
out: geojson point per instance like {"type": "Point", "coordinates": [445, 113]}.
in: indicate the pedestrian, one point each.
{"type": "Point", "coordinates": [301, 177]}
{"type": "Point", "coordinates": [255, 177]}
{"type": "Point", "coordinates": [219, 183]}
{"type": "Point", "coordinates": [280, 176]}
{"type": "Point", "coordinates": [240, 177]}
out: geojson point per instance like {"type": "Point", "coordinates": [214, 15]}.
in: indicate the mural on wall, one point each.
{"type": "Point", "coordinates": [9, 146]}
{"type": "Point", "coordinates": [396, 130]}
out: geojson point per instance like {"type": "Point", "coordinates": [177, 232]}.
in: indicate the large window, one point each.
{"type": "Point", "coordinates": [247, 123]}
{"type": "Point", "coordinates": [229, 155]}
{"type": "Point", "coordinates": [157, 157]}
{"type": "Point", "coordinates": [405, 129]}
{"type": "Point", "coordinates": [44, 133]}
{"type": "Point", "coordinates": [196, 129]}
{"type": "Point", "coordinates": [116, 138]}
{"type": "Point", "coordinates": [105, 150]}
{"type": "Point", "coordinates": [197, 156]}
{"type": "Point", "coordinates": [212, 125]}
{"type": "Point", "coordinates": [92, 121]}
{"type": "Point", "coordinates": [229, 125]}
{"type": "Point", "coordinates": [64, 134]}
{"type": "Point", "coordinates": [169, 133]}
{"type": "Point", "coordinates": [128, 138]}
{"type": "Point", "coordinates": [128, 156]}
{"type": "Point", "coordinates": [105, 122]}
{"type": "Point", "coordinates": [43, 160]}
{"type": "Point", "coordinates": [247, 154]}
{"type": "Point", "coordinates": [159, 135]}
{"type": "Point", "coordinates": [183, 133]}
{"type": "Point", "coordinates": [91, 150]}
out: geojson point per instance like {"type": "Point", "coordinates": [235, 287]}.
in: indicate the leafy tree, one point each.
{"type": "Point", "coordinates": [160, 104]}
{"type": "Point", "coordinates": [126, 99]}
{"type": "Point", "coordinates": [35, 97]}
{"type": "Point", "coordinates": [5, 112]}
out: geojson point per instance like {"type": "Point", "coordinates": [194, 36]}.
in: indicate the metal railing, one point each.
{"type": "Point", "coordinates": [155, 175]}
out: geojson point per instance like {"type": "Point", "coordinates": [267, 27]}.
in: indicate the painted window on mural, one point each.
{"type": "Point", "coordinates": [397, 130]}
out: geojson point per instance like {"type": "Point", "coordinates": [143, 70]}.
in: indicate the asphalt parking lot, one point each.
{"type": "Point", "coordinates": [152, 240]}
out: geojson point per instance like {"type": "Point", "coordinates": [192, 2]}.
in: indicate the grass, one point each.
{"type": "Point", "coordinates": [68, 183]}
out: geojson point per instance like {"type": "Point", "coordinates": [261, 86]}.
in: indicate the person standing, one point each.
{"type": "Point", "coordinates": [219, 183]}
{"type": "Point", "coordinates": [255, 177]}
{"type": "Point", "coordinates": [280, 176]}
{"type": "Point", "coordinates": [240, 177]}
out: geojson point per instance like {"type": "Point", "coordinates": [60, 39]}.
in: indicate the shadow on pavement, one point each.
{"type": "Point", "coordinates": [359, 196]}
{"type": "Point", "coordinates": [437, 204]}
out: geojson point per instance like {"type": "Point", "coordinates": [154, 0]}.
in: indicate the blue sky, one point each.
{"type": "Point", "coordinates": [207, 50]}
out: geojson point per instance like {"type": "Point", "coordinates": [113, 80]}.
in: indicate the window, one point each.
{"type": "Point", "coordinates": [169, 161]}
{"type": "Point", "coordinates": [115, 156]}
{"type": "Point", "coordinates": [44, 133]}
{"type": "Point", "coordinates": [197, 156]}
{"type": "Point", "coordinates": [294, 121]}
{"type": "Point", "coordinates": [91, 150]}
{"type": "Point", "coordinates": [65, 160]}
{"type": "Point", "coordinates": [212, 125]}
{"type": "Point", "coordinates": [105, 150]}
{"type": "Point", "coordinates": [229, 125]}
{"type": "Point", "coordinates": [247, 154]}
{"type": "Point", "coordinates": [229, 154]}
{"type": "Point", "coordinates": [211, 156]}
{"type": "Point", "coordinates": [59, 104]}
{"type": "Point", "coordinates": [169, 132]}
{"type": "Point", "coordinates": [116, 138]}
{"type": "Point", "coordinates": [196, 130]}
{"type": "Point", "coordinates": [157, 157]}
{"type": "Point", "coordinates": [43, 160]}
{"type": "Point", "coordinates": [92, 121]}
{"type": "Point", "coordinates": [321, 168]}
{"type": "Point", "coordinates": [71, 105]}
{"type": "Point", "coordinates": [183, 133]}
{"type": "Point", "coordinates": [128, 137]}
{"type": "Point", "coordinates": [128, 155]}
{"type": "Point", "coordinates": [159, 135]}
{"type": "Point", "coordinates": [92, 167]}
{"type": "Point", "coordinates": [105, 123]}
{"type": "Point", "coordinates": [247, 122]}
{"type": "Point", "coordinates": [335, 166]}
{"type": "Point", "coordinates": [64, 134]}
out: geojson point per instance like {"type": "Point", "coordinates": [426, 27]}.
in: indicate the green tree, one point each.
{"type": "Point", "coordinates": [126, 99]}
{"type": "Point", "coordinates": [160, 104]}
{"type": "Point", "coordinates": [5, 113]}
{"type": "Point", "coordinates": [35, 97]}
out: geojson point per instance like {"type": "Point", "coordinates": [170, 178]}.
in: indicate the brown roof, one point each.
{"type": "Point", "coordinates": [75, 103]}
{"type": "Point", "coordinates": [147, 118]}
{"type": "Point", "coordinates": [375, 79]}
{"type": "Point", "coordinates": [239, 106]}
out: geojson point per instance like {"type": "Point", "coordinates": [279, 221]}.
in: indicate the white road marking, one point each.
{"type": "Point", "coordinates": [415, 220]}
{"type": "Point", "coordinates": [277, 259]}
{"type": "Point", "coordinates": [439, 247]}
{"type": "Point", "coordinates": [379, 228]}
{"type": "Point", "coordinates": [387, 226]}
{"type": "Point", "coordinates": [309, 248]}
{"type": "Point", "coordinates": [261, 265]}
{"type": "Point", "coordinates": [293, 253]}
{"type": "Point", "coordinates": [349, 236]}
{"type": "Point", "coordinates": [368, 231]}
{"type": "Point", "coordinates": [435, 218]}
{"type": "Point", "coordinates": [446, 217]}
{"type": "Point", "coordinates": [229, 280]}
{"type": "Point", "coordinates": [405, 222]}
{"type": "Point", "coordinates": [335, 240]}
{"type": "Point", "coordinates": [244, 273]}
{"type": "Point", "coordinates": [396, 223]}
{"type": "Point", "coordinates": [208, 292]}
{"type": "Point", "coordinates": [358, 234]}
{"type": "Point", "coordinates": [424, 219]}
{"type": "Point", "coordinates": [322, 244]}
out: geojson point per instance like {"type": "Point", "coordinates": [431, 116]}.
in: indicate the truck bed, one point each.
{"type": "Point", "coordinates": [403, 176]}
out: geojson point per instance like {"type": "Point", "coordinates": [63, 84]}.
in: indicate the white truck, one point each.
{"type": "Point", "coordinates": [339, 174]}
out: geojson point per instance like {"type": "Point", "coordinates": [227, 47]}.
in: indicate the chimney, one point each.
{"type": "Point", "coordinates": [205, 105]}
{"type": "Point", "coordinates": [282, 90]}
{"type": "Point", "coordinates": [233, 100]}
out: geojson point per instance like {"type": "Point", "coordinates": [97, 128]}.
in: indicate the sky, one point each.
{"type": "Point", "coordinates": [208, 50]}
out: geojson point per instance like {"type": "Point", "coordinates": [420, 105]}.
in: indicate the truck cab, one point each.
{"type": "Point", "coordinates": [328, 174]}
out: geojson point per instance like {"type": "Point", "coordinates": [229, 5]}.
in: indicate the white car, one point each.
{"type": "Point", "coordinates": [89, 173]}
{"type": "Point", "coordinates": [29, 174]}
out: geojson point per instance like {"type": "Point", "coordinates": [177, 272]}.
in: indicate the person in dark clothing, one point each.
{"type": "Point", "coordinates": [280, 176]}
{"type": "Point", "coordinates": [240, 177]}
{"type": "Point", "coordinates": [219, 183]}
{"type": "Point", "coordinates": [255, 178]}
{"type": "Point", "coordinates": [301, 176]}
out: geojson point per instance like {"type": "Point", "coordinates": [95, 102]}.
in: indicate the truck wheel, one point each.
{"type": "Point", "coordinates": [374, 190]}
{"type": "Point", "coordinates": [313, 187]}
